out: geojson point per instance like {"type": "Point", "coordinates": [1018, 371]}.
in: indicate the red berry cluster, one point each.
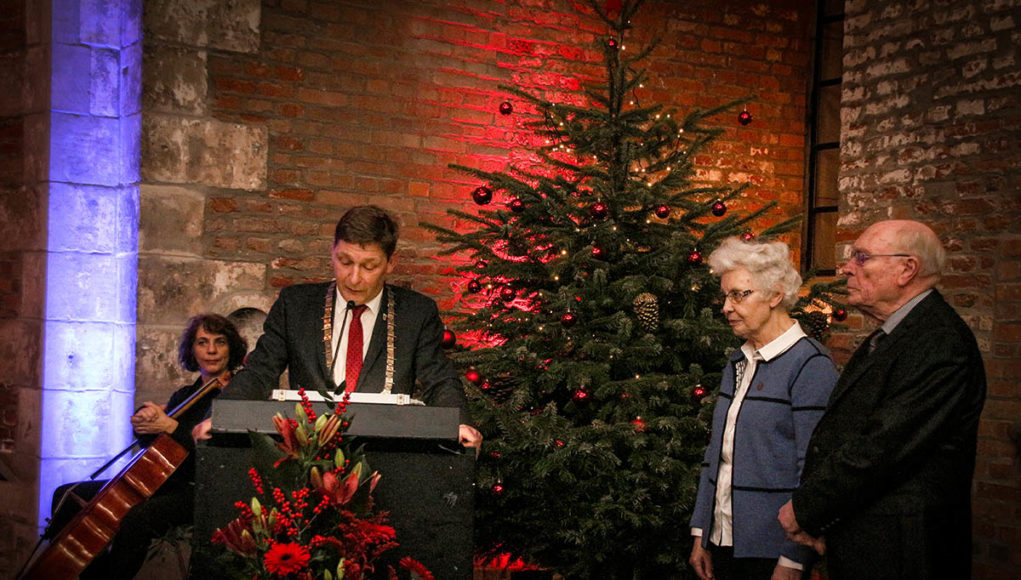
{"type": "Point", "coordinates": [322, 505]}
{"type": "Point", "coordinates": [292, 512]}
{"type": "Point", "coordinates": [256, 480]}
{"type": "Point", "coordinates": [245, 509]}
{"type": "Point", "coordinates": [306, 405]}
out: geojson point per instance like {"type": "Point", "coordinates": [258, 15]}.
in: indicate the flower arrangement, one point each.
{"type": "Point", "coordinates": [315, 518]}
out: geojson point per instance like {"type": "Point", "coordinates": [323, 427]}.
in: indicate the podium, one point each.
{"type": "Point", "coordinates": [427, 481]}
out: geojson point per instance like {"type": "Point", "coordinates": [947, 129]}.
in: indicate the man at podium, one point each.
{"type": "Point", "coordinates": [356, 332]}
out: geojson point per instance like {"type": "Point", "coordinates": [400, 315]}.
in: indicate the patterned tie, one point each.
{"type": "Point", "coordinates": [354, 349]}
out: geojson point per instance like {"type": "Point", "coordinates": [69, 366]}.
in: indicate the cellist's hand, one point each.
{"type": "Point", "coordinates": [151, 419]}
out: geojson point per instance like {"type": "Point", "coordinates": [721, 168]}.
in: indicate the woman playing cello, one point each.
{"type": "Point", "coordinates": [212, 346]}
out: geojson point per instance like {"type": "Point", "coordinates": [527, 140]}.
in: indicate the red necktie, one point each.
{"type": "Point", "coordinates": [354, 349]}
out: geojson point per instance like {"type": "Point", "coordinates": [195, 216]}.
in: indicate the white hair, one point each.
{"type": "Point", "coordinates": [919, 240]}
{"type": "Point", "coordinates": [769, 264]}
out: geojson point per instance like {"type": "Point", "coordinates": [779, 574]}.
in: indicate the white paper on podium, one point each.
{"type": "Point", "coordinates": [371, 398]}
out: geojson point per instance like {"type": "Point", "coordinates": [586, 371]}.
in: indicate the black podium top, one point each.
{"type": "Point", "coordinates": [367, 420]}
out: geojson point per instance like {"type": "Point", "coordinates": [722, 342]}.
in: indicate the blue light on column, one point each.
{"type": "Point", "coordinates": [92, 243]}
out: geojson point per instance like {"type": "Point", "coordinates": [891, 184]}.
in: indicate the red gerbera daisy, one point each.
{"type": "Point", "coordinates": [416, 568]}
{"type": "Point", "coordinates": [282, 559]}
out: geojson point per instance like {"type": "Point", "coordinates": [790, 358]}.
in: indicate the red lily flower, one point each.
{"type": "Point", "coordinates": [340, 492]}
{"type": "Point", "coordinates": [290, 444]}
{"type": "Point", "coordinates": [237, 537]}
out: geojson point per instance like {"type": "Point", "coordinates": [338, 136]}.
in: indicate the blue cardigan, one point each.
{"type": "Point", "coordinates": [785, 400]}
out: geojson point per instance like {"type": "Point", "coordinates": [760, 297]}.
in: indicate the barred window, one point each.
{"type": "Point", "coordinates": [824, 140]}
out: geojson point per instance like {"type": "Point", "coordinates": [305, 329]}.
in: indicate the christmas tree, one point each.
{"type": "Point", "coordinates": [597, 337]}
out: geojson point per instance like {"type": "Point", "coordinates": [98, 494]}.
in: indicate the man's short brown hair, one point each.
{"type": "Point", "coordinates": [368, 224]}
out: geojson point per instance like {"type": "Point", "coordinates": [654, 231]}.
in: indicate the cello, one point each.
{"type": "Point", "coordinates": [91, 529]}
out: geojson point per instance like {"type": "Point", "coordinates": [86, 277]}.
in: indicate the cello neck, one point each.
{"type": "Point", "coordinates": [213, 385]}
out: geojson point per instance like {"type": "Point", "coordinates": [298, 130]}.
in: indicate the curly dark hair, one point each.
{"type": "Point", "coordinates": [213, 324]}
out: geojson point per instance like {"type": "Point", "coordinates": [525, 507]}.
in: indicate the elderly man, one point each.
{"type": "Point", "coordinates": [888, 472]}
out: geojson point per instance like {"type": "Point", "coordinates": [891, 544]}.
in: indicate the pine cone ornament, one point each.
{"type": "Point", "coordinates": [646, 307]}
{"type": "Point", "coordinates": [816, 324]}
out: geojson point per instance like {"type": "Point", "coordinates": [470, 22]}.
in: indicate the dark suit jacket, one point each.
{"type": "Point", "coordinates": [293, 339]}
{"type": "Point", "coordinates": [887, 478]}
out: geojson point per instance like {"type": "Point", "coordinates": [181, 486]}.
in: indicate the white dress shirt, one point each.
{"type": "Point", "coordinates": [342, 323]}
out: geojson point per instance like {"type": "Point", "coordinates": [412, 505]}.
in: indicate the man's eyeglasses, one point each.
{"type": "Point", "coordinates": [860, 256]}
{"type": "Point", "coordinates": [735, 296]}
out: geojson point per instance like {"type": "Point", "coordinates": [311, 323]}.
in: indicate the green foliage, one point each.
{"type": "Point", "coordinates": [594, 433]}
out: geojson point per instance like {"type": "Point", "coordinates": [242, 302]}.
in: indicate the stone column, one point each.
{"type": "Point", "coordinates": [92, 243]}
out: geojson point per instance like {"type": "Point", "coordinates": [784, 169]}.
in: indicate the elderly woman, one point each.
{"type": "Point", "coordinates": [773, 392]}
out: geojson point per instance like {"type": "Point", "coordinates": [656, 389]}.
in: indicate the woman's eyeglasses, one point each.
{"type": "Point", "coordinates": [735, 296]}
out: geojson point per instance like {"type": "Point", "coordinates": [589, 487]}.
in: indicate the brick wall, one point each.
{"type": "Point", "coordinates": [22, 274]}
{"type": "Point", "coordinates": [930, 132]}
{"type": "Point", "coordinates": [370, 102]}
{"type": "Point", "coordinates": [265, 121]}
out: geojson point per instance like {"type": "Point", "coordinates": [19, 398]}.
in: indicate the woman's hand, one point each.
{"type": "Point", "coordinates": [151, 419]}
{"type": "Point", "coordinates": [701, 561]}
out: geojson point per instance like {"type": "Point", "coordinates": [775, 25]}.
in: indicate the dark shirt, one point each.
{"type": "Point", "coordinates": [200, 411]}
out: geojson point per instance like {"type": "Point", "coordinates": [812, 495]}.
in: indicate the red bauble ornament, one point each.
{"type": "Point", "coordinates": [506, 108]}
{"type": "Point", "coordinates": [744, 118]}
{"type": "Point", "coordinates": [599, 210]}
{"type": "Point", "coordinates": [699, 391]}
{"type": "Point", "coordinates": [568, 320]}
{"type": "Point", "coordinates": [497, 489]}
{"type": "Point", "coordinates": [840, 315]}
{"type": "Point", "coordinates": [474, 286]}
{"type": "Point", "coordinates": [598, 253]}
{"type": "Point", "coordinates": [507, 294]}
{"type": "Point", "coordinates": [559, 443]}
{"type": "Point", "coordinates": [485, 386]}
{"type": "Point", "coordinates": [639, 424]}
{"type": "Point", "coordinates": [662, 211]}
{"type": "Point", "coordinates": [719, 208]}
{"type": "Point", "coordinates": [612, 43]}
{"type": "Point", "coordinates": [695, 257]}
{"type": "Point", "coordinates": [449, 339]}
{"type": "Point", "coordinates": [580, 395]}
{"type": "Point", "coordinates": [517, 206]}
{"type": "Point", "coordinates": [747, 236]}
{"type": "Point", "coordinates": [473, 376]}
{"type": "Point", "coordinates": [482, 195]}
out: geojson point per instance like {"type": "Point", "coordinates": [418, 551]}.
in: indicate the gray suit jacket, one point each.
{"type": "Point", "coordinates": [889, 466]}
{"type": "Point", "coordinates": [293, 338]}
